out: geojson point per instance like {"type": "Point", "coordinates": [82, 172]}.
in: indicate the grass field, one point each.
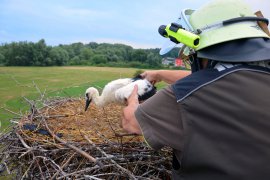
{"type": "Point", "coordinates": [19, 82]}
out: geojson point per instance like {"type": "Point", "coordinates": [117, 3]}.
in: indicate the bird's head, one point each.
{"type": "Point", "coordinates": [90, 93]}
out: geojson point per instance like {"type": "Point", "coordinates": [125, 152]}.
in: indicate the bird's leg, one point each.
{"type": "Point", "coordinates": [110, 124]}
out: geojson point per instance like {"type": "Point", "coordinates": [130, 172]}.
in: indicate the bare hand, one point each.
{"type": "Point", "coordinates": [129, 121]}
{"type": "Point", "coordinates": [151, 76]}
{"type": "Point", "coordinates": [133, 98]}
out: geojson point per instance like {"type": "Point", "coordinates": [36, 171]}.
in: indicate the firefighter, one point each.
{"type": "Point", "coordinates": [217, 118]}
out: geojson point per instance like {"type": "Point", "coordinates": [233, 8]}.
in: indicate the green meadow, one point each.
{"type": "Point", "coordinates": [30, 82]}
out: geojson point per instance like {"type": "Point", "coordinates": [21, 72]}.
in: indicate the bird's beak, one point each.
{"type": "Point", "coordinates": [87, 103]}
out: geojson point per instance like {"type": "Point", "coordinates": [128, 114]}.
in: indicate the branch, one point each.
{"type": "Point", "coordinates": [18, 83]}
{"type": "Point", "coordinates": [33, 108]}
{"type": "Point", "coordinates": [23, 142]}
{"type": "Point", "coordinates": [83, 153]}
{"type": "Point", "coordinates": [64, 165]}
{"type": "Point", "coordinates": [105, 154]}
{"type": "Point", "coordinates": [11, 111]}
{"type": "Point", "coordinates": [39, 91]}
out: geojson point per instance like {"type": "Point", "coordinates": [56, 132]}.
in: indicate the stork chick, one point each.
{"type": "Point", "coordinates": [118, 91]}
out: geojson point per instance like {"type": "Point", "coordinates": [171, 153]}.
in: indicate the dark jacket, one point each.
{"type": "Point", "coordinates": [226, 122]}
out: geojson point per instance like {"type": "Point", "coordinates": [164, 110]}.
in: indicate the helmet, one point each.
{"type": "Point", "coordinates": [240, 50]}
{"type": "Point", "coordinates": [209, 20]}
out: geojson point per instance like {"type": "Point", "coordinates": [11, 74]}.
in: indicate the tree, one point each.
{"type": "Point", "coordinates": [99, 59]}
{"type": "Point", "coordinates": [48, 62]}
{"type": "Point", "coordinates": [153, 60]}
{"type": "Point", "coordinates": [92, 45]}
{"type": "Point", "coordinates": [59, 56]}
{"type": "Point", "coordinates": [75, 61]}
{"type": "Point", "coordinates": [18, 54]}
{"type": "Point", "coordinates": [86, 54]}
{"type": "Point", "coordinates": [2, 59]}
{"type": "Point", "coordinates": [77, 48]}
{"type": "Point", "coordinates": [139, 55]}
{"type": "Point", "coordinates": [40, 53]}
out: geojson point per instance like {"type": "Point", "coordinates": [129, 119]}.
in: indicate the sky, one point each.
{"type": "Point", "coordinates": [133, 23]}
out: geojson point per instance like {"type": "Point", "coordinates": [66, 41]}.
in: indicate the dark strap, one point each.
{"type": "Point", "coordinates": [175, 163]}
{"type": "Point", "coordinates": [241, 19]}
{"type": "Point", "coordinates": [186, 86]}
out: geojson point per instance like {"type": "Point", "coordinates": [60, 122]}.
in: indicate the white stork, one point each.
{"type": "Point", "coordinates": [118, 91]}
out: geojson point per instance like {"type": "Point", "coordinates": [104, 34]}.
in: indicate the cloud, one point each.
{"type": "Point", "coordinates": [55, 11]}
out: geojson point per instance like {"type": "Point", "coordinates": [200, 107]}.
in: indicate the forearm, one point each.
{"type": "Point", "coordinates": [171, 76]}
{"type": "Point", "coordinates": [129, 121]}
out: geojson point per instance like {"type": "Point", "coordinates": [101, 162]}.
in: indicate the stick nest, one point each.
{"type": "Point", "coordinates": [61, 141]}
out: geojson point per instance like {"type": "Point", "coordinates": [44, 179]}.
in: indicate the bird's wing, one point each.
{"type": "Point", "coordinates": [116, 84]}
{"type": "Point", "coordinates": [123, 93]}
{"type": "Point", "coordinates": [111, 87]}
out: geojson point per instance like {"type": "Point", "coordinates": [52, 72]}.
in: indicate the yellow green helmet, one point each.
{"type": "Point", "coordinates": [206, 21]}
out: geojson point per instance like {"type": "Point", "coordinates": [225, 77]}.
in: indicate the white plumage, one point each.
{"type": "Point", "coordinates": [118, 91]}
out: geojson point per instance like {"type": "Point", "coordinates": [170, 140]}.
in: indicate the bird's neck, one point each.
{"type": "Point", "coordinates": [98, 100]}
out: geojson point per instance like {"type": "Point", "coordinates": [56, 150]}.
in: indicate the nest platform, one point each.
{"type": "Point", "coordinates": [62, 141]}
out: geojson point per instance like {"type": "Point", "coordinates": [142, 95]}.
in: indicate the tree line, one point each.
{"type": "Point", "coordinates": [25, 53]}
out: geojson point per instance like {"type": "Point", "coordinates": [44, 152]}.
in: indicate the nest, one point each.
{"type": "Point", "coordinates": [61, 141]}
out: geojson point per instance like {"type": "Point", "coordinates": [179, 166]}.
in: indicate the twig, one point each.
{"type": "Point", "coordinates": [18, 83]}
{"type": "Point", "coordinates": [12, 112]}
{"type": "Point", "coordinates": [84, 170]}
{"type": "Point", "coordinates": [83, 153]}
{"type": "Point", "coordinates": [8, 171]}
{"type": "Point", "coordinates": [125, 134]}
{"type": "Point", "coordinates": [108, 120]}
{"type": "Point", "coordinates": [53, 162]}
{"type": "Point", "coordinates": [105, 154]}
{"type": "Point", "coordinates": [23, 142]}
{"type": "Point", "coordinates": [41, 173]}
{"type": "Point", "coordinates": [25, 173]}
{"type": "Point", "coordinates": [29, 150]}
{"type": "Point", "coordinates": [64, 165]}
{"type": "Point", "coordinates": [91, 177]}
{"type": "Point", "coordinates": [148, 172]}
{"type": "Point", "coordinates": [37, 88]}
{"type": "Point", "coordinates": [33, 108]}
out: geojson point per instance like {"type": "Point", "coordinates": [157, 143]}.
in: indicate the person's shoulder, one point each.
{"type": "Point", "coordinates": [166, 92]}
{"type": "Point", "coordinates": [186, 86]}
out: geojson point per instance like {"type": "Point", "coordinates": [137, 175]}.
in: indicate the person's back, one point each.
{"type": "Point", "coordinates": [226, 122]}
{"type": "Point", "coordinates": [225, 107]}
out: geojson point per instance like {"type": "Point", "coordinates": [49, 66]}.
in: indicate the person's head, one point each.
{"type": "Point", "coordinates": [229, 32]}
